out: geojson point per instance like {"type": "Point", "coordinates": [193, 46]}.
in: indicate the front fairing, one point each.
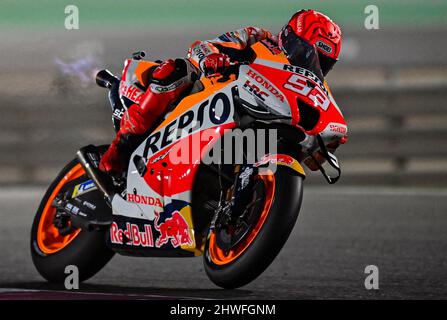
{"type": "Point", "coordinates": [289, 89]}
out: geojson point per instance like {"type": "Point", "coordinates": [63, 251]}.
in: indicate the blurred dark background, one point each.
{"type": "Point", "coordinates": [390, 82]}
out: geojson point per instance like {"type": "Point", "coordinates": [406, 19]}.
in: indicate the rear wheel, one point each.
{"type": "Point", "coordinates": [52, 250]}
{"type": "Point", "coordinates": [237, 255]}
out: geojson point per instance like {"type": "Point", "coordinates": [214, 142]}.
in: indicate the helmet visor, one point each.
{"type": "Point", "coordinates": [326, 63]}
{"type": "Point", "coordinates": [299, 51]}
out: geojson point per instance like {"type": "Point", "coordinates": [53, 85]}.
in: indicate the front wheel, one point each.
{"type": "Point", "coordinates": [274, 206]}
{"type": "Point", "coordinates": [52, 250]}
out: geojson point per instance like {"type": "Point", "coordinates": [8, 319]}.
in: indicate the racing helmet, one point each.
{"type": "Point", "coordinates": [317, 29]}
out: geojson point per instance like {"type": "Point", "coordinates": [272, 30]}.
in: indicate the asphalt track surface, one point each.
{"type": "Point", "coordinates": [339, 232]}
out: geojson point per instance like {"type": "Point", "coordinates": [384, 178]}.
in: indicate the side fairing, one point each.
{"type": "Point", "coordinates": [256, 89]}
{"type": "Point", "coordinates": [162, 170]}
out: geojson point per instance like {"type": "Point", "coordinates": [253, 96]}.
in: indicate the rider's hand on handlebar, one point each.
{"type": "Point", "coordinates": [214, 64]}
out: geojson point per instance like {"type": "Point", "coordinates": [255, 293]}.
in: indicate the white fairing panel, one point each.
{"type": "Point", "coordinates": [214, 111]}
{"type": "Point", "coordinates": [256, 89]}
{"type": "Point", "coordinates": [334, 131]}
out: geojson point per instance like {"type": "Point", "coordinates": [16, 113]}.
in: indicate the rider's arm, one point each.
{"type": "Point", "coordinates": [230, 43]}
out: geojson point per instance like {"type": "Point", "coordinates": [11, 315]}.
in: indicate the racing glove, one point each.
{"type": "Point", "coordinates": [214, 64]}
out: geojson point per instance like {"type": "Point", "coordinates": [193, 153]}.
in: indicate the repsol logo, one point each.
{"type": "Point", "coordinates": [212, 112]}
{"type": "Point", "coordinates": [323, 46]}
{"type": "Point", "coordinates": [307, 74]}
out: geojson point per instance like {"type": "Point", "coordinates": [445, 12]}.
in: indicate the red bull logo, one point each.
{"type": "Point", "coordinates": [131, 235]}
{"type": "Point", "coordinates": [174, 229]}
{"type": "Point", "coordinates": [275, 158]}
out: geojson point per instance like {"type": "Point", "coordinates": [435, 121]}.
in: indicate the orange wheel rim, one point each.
{"type": "Point", "coordinates": [48, 238]}
{"type": "Point", "coordinates": [220, 257]}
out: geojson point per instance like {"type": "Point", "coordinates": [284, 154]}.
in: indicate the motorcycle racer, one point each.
{"type": "Point", "coordinates": [172, 79]}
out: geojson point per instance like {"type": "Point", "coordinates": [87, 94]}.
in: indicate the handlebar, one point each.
{"type": "Point", "coordinates": [105, 79]}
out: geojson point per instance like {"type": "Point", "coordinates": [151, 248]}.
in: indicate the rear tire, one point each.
{"type": "Point", "coordinates": [268, 242]}
{"type": "Point", "coordinates": [87, 250]}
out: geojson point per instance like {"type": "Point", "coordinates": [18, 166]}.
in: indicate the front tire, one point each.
{"type": "Point", "coordinates": [235, 269]}
{"type": "Point", "coordinates": [52, 252]}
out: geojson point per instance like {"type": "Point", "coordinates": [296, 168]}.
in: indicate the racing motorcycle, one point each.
{"type": "Point", "coordinates": [237, 216]}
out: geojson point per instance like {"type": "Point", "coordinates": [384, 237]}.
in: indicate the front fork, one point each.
{"type": "Point", "coordinates": [232, 208]}
{"type": "Point", "coordinates": [238, 199]}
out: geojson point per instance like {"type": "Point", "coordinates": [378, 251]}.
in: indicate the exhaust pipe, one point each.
{"type": "Point", "coordinates": [89, 158]}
